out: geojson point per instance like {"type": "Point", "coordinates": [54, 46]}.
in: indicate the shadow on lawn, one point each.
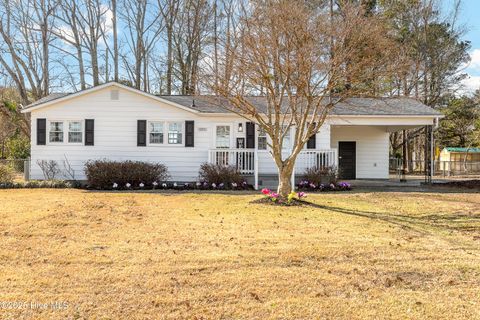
{"type": "Point", "coordinates": [413, 189]}
{"type": "Point", "coordinates": [420, 224]}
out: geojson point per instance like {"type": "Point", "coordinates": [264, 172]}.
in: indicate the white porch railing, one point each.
{"type": "Point", "coordinates": [242, 159]}
{"type": "Point", "coordinates": [316, 159]}
{"type": "Point", "coordinates": [246, 162]}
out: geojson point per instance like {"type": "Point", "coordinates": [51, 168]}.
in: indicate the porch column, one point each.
{"type": "Point", "coordinates": [255, 168]}
{"type": "Point", "coordinates": [293, 178]}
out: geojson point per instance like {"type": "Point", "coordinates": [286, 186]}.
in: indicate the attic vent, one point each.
{"type": "Point", "coordinates": [114, 95]}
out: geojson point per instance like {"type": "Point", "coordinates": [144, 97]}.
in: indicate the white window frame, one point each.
{"type": "Point", "coordinates": [230, 134]}
{"type": "Point", "coordinates": [163, 132]}
{"type": "Point", "coordinates": [260, 130]}
{"type": "Point", "coordinates": [67, 140]}
{"type": "Point", "coordinates": [182, 132]}
{"type": "Point", "coordinates": [66, 130]}
{"type": "Point", "coordinates": [289, 135]}
{"type": "Point", "coordinates": [49, 131]}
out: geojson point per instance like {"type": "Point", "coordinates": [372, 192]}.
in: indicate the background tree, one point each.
{"type": "Point", "coordinates": [461, 125]}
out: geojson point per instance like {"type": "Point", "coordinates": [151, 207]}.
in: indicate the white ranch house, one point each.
{"type": "Point", "coordinates": [116, 122]}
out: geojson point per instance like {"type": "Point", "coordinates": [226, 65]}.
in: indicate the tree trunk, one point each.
{"type": "Point", "coordinates": [45, 67]}
{"type": "Point", "coordinates": [115, 40]}
{"type": "Point", "coordinates": [285, 181]}
{"type": "Point", "coordinates": [169, 60]}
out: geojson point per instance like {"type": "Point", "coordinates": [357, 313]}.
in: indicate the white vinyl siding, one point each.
{"type": "Point", "coordinates": [116, 135]}
{"type": "Point", "coordinates": [372, 145]}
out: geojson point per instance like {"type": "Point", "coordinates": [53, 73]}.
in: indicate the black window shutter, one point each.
{"type": "Point", "coordinates": [142, 133]}
{"type": "Point", "coordinates": [189, 133]}
{"type": "Point", "coordinates": [312, 142]}
{"type": "Point", "coordinates": [41, 131]}
{"type": "Point", "coordinates": [89, 132]}
{"type": "Point", "coordinates": [250, 130]}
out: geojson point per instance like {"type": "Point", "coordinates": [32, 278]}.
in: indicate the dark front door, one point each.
{"type": "Point", "coordinates": [347, 159]}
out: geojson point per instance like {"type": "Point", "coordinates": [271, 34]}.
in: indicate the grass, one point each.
{"type": "Point", "coordinates": [217, 256]}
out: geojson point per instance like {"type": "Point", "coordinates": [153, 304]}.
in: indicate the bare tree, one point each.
{"type": "Point", "coordinates": [67, 29]}
{"type": "Point", "coordinates": [190, 37]}
{"type": "Point", "coordinates": [25, 28]}
{"type": "Point", "coordinates": [143, 32]}
{"type": "Point", "coordinates": [115, 40]}
{"type": "Point", "coordinates": [169, 11]}
{"type": "Point", "coordinates": [92, 23]}
{"type": "Point", "coordinates": [287, 54]}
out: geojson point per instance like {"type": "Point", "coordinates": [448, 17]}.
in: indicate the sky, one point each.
{"type": "Point", "coordinates": [469, 17]}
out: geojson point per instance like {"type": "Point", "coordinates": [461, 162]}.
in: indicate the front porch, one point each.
{"type": "Point", "coordinates": [259, 166]}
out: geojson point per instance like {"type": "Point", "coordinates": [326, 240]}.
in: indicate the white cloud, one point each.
{"type": "Point", "coordinates": [470, 84]}
{"type": "Point", "coordinates": [472, 69]}
{"type": "Point", "coordinates": [474, 64]}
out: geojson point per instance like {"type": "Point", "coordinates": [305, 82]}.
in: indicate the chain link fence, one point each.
{"type": "Point", "coordinates": [440, 168]}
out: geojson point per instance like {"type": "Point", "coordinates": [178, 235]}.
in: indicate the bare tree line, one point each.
{"type": "Point", "coordinates": [153, 45]}
{"type": "Point", "coordinates": [163, 45]}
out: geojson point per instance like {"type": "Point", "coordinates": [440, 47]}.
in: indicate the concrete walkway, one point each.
{"type": "Point", "coordinates": [411, 181]}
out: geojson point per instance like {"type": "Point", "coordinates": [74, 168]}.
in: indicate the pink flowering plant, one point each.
{"type": "Point", "coordinates": [310, 186]}
{"type": "Point", "coordinates": [275, 197]}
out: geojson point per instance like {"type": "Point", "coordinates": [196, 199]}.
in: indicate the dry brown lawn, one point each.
{"type": "Point", "coordinates": [218, 256]}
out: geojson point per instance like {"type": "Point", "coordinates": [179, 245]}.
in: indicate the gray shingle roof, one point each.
{"type": "Point", "coordinates": [50, 97]}
{"type": "Point", "coordinates": [351, 106]}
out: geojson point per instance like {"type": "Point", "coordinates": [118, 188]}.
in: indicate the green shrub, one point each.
{"type": "Point", "coordinates": [6, 174]}
{"type": "Point", "coordinates": [18, 147]}
{"type": "Point", "coordinates": [320, 175]}
{"type": "Point", "coordinates": [103, 174]}
{"type": "Point", "coordinates": [218, 174]}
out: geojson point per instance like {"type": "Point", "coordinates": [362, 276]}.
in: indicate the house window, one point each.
{"type": "Point", "coordinates": [175, 133]}
{"type": "Point", "coordinates": [262, 140]}
{"type": "Point", "coordinates": [287, 141]}
{"type": "Point", "coordinates": [156, 132]}
{"type": "Point", "coordinates": [75, 132]}
{"type": "Point", "coordinates": [223, 137]}
{"type": "Point", "coordinates": [56, 131]}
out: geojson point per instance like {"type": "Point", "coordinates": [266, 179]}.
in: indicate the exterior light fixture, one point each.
{"type": "Point", "coordinates": [240, 127]}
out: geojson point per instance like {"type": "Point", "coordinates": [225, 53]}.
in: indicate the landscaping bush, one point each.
{"type": "Point", "coordinates": [105, 174]}
{"type": "Point", "coordinates": [6, 174]}
{"type": "Point", "coordinates": [221, 177]}
{"type": "Point", "coordinates": [33, 184]}
{"type": "Point", "coordinates": [320, 175]}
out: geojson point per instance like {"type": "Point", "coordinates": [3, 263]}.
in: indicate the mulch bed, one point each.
{"type": "Point", "coordinates": [468, 184]}
{"type": "Point", "coordinates": [293, 203]}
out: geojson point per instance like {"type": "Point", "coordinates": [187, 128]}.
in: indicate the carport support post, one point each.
{"type": "Point", "coordinates": [432, 154]}
{"type": "Point", "coordinates": [428, 154]}
{"type": "Point", "coordinates": [404, 156]}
